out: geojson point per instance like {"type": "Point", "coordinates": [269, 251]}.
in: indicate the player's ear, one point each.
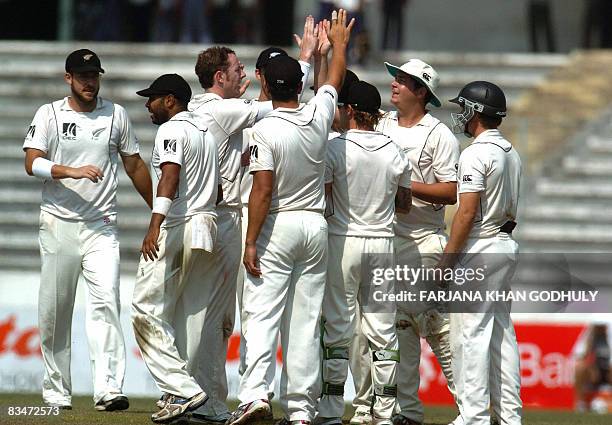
{"type": "Point", "coordinates": [219, 77]}
{"type": "Point", "coordinates": [68, 78]}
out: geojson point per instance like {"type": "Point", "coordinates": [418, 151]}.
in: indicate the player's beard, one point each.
{"type": "Point", "coordinates": [85, 100]}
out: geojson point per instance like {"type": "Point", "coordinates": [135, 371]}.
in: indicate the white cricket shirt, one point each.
{"type": "Point", "coordinates": [433, 152]}
{"type": "Point", "coordinates": [225, 120]}
{"type": "Point", "coordinates": [246, 180]}
{"type": "Point", "coordinates": [185, 141]}
{"type": "Point", "coordinates": [76, 139]}
{"type": "Point", "coordinates": [491, 166]}
{"type": "Point", "coordinates": [365, 169]}
{"type": "Point", "coordinates": [292, 143]}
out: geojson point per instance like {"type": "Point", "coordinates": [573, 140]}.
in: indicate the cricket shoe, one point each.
{"type": "Point", "coordinates": [162, 400]}
{"type": "Point", "coordinates": [176, 406]}
{"type": "Point", "coordinates": [112, 403]}
{"type": "Point", "coordinates": [286, 421]}
{"type": "Point", "coordinates": [361, 418]}
{"type": "Point", "coordinates": [327, 421]}
{"type": "Point", "coordinates": [59, 406]}
{"type": "Point", "coordinates": [403, 420]}
{"type": "Point", "coordinates": [253, 411]}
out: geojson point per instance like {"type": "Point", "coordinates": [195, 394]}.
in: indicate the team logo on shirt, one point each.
{"type": "Point", "coordinates": [31, 131]}
{"type": "Point", "coordinates": [467, 178]}
{"type": "Point", "coordinates": [97, 132]}
{"type": "Point", "coordinates": [69, 130]}
{"type": "Point", "coordinates": [254, 151]}
{"type": "Point", "coordinates": [170, 146]}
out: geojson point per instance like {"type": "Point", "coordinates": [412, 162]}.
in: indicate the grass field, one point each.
{"type": "Point", "coordinates": [140, 411]}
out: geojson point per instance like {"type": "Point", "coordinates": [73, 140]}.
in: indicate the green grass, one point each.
{"type": "Point", "coordinates": [140, 411]}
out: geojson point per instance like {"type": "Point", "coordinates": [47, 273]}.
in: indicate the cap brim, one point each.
{"type": "Point", "coordinates": [149, 92]}
{"type": "Point", "coordinates": [393, 70]}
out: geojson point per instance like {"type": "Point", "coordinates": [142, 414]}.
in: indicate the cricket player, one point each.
{"type": "Point", "coordinates": [433, 152]}
{"type": "Point", "coordinates": [247, 180]}
{"type": "Point", "coordinates": [485, 352]}
{"type": "Point", "coordinates": [177, 249]}
{"type": "Point", "coordinates": [286, 242]}
{"type": "Point", "coordinates": [73, 146]}
{"type": "Point", "coordinates": [367, 180]}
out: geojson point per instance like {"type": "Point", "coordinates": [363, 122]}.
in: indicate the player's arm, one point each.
{"type": "Point", "coordinates": [339, 34]}
{"type": "Point", "coordinates": [320, 56]}
{"type": "Point", "coordinates": [138, 172]}
{"type": "Point", "coordinates": [36, 164]}
{"type": "Point", "coordinates": [259, 205]}
{"type": "Point", "coordinates": [403, 200]}
{"type": "Point", "coordinates": [444, 193]}
{"type": "Point", "coordinates": [445, 157]}
{"type": "Point", "coordinates": [469, 203]}
{"type": "Point", "coordinates": [166, 189]}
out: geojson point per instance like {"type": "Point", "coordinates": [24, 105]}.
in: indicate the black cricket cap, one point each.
{"type": "Point", "coordinates": [267, 54]}
{"type": "Point", "coordinates": [363, 97]}
{"type": "Point", "coordinates": [349, 78]}
{"type": "Point", "coordinates": [168, 84]}
{"type": "Point", "coordinates": [83, 60]}
{"type": "Point", "coordinates": [284, 73]}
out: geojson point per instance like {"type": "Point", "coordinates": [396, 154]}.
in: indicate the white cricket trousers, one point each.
{"type": "Point", "coordinates": [243, 317]}
{"type": "Point", "coordinates": [68, 248]}
{"type": "Point", "coordinates": [349, 290]}
{"type": "Point", "coordinates": [160, 286]}
{"type": "Point", "coordinates": [204, 316]}
{"type": "Point", "coordinates": [292, 250]}
{"type": "Point", "coordinates": [485, 352]}
{"type": "Point", "coordinates": [431, 325]}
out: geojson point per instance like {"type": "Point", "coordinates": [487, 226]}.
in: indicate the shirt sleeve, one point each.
{"type": "Point", "coordinates": [329, 164]}
{"type": "Point", "coordinates": [261, 153]}
{"type": "Point", "coordinates": [326, 101]}
{"type": "Point", "coordinates": [170, 144]}
{"type": "Point", "coordinates": [472, 172]}
{"type": "Point", "coordinates": [128, 143]}
{"type": "Point", "coordinates": [446, 156]}
{"type": "Point", "coordinates": [406, 176]}
{"type": "Point", "coordinates": [305, 66]}
{"type": "Point", "coordinates": [234, 115]}
{"type": "Point", "coordinates": [37, 136]}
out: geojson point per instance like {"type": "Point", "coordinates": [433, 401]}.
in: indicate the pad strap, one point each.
{"type": "Point", "coordinates": [333, 389]}
{"type": "Point", "coordinates": [336, 353]}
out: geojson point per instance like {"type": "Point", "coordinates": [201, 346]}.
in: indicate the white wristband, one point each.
{"type": "Point", "coordinates": [162, 205]}
{"type": "Point", "coordinates": [41, 168]}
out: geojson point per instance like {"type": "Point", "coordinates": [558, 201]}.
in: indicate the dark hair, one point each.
{"type": "Point", "coordinates": [489, 122]}
{"type": "Point", "coordinates": [209, 62]}
{"type": "Point", "coordinates": [366, 119]}
{"type": "Point", "coordinates": [283, 94]}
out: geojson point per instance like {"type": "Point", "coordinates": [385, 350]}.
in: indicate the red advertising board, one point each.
{"type": "Point", "coordinates": [547, 364]}
{"type": "Point", "coordinates": [547, 367]}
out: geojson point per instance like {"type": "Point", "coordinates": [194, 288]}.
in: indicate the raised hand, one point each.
{"type": "Point", "coordinates": [324, 46]}
{"type": "Point", "coordinates": [338, 32]}
{"type": "Point", "coordinates": [309, 41]}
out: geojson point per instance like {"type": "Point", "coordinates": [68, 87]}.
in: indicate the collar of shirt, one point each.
{"type": "Point", "coordinates": [428, 120]}
{"type": "Point", "coordinates": [492, 136]}
{"type": "Point", "coordinates": [65, 106]}
{"type": "Point", "coordinates": [200, 99]}
{"type": "Point", "coordinates": [368, 140]}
